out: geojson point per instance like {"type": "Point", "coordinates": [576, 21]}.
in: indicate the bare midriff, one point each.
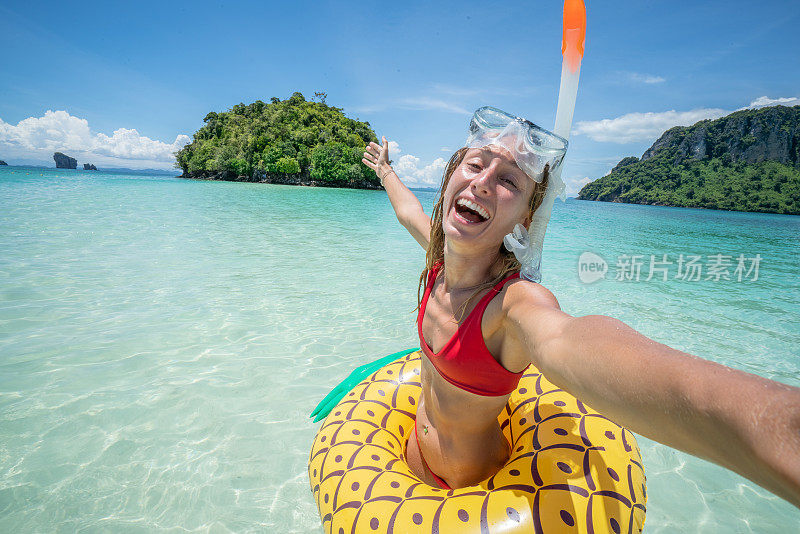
{"type": "Point", "coordinates": [459, 436]}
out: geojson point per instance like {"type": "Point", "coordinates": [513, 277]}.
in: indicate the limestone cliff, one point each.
{"type": "Point", "coordinates": [748, 136]}
{"type": "Point", "coordinates": [746, 161]}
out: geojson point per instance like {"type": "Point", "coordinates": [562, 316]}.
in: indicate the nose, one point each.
{"type": "Point", "coordinates": [482, 183]}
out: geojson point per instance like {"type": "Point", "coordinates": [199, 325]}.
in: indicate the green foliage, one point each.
{"type": "Point", "coordinates": [239, 167]}
{"type": "Point", "coordinates": [339, 164]}
{"type": "Point", "coordinates": [282, 137]}
{"type": "Point", "coordinates": [327, 163]}
{"type": "Point", "coordinates": [767, 186]}
{"type": "Point", "coordinates": [287, 166]}
{"type": "Point", "coordinates": [624, 162]}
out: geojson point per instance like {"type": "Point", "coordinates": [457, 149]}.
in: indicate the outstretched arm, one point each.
{"type": "Point", "coordinates": [406, 205]}
{"type": "Point", "coordinates": [740, 421]}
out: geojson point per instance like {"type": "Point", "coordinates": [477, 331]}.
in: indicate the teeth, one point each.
{"type": "Point", "coordinates": [474, 207]}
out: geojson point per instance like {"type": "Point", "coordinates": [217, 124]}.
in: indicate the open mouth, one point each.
{"type": "Point", "coordinates": [470, 211]}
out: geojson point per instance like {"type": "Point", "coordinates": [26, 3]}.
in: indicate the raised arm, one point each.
{"type": "Point", "coordinates": [740, 421]}
{"type": "Point", "coordinates": [406, 205]}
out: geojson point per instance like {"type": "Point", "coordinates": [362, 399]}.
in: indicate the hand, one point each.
{"type": "Point", "coordinates": [376, 157]}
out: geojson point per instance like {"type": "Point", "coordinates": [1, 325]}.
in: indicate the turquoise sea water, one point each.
{"type": "Point", "coordinates": [162, 341]}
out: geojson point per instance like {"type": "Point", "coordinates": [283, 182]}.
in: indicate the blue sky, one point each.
{"type": "Point", "coordinates": [124, 83]}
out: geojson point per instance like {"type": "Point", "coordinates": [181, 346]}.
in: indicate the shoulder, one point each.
{"type": "Point", "coordinates": [521, 292]}
{"type": "Point", "coordinates": [530, 316]}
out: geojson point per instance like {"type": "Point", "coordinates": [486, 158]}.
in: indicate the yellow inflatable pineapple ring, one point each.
{"type": "Point", "coordinates": [570, 470]}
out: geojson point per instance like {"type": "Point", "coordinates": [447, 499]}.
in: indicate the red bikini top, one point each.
{"type": "Point", "coordinates": [465, 361]}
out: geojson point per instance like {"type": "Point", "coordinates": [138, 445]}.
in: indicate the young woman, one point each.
{"type": "Point", "coordinates": [481, 325]}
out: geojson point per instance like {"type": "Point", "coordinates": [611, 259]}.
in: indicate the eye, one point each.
{"type": "Point", "coordinates": [474, 166]}
{"type": "Point", "coordinates": [509, 181]}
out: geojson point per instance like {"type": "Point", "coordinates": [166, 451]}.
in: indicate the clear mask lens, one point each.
{"type": "Point", "coordinates": [534, 149]}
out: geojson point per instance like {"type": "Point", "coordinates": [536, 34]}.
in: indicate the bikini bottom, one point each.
{"type": "Point", "coordinates": [440, 481]}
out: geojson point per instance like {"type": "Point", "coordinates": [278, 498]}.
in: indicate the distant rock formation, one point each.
{"type": "Point", "coordinates": [746, 161]}
{"type": "Point", "coordinates": [89, 167]}
{"type": "Point", "coordinates": [65, 162]}
{"type": "Point", "coordinates": [3, 162]}
{"type": "Point", "coordinates": [747, 136]}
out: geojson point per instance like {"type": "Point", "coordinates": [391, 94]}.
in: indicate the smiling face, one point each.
{"type": "Point", "coordinates": [486, 195]}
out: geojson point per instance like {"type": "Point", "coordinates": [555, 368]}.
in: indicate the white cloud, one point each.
{"type": "Point", "coordinates": [473, 91]}
{"type": "Point", "coordinates": [645, 78]}
{"type": "Point", "coordinates": [447, 98]}
{"type": "Point", "coordinates": [633, 127]}
{"type": "Point", "coordinates": [408, 168]}
{"type": "Point", "coordinates": [574, 185]}
{"type": "Point", "coordinates": [455, 90]}
{"type": "Point", "coordinates": [38, 137]}
{"type": "Point", "coordinates": [435, 104]}
{"type": "Point", "coordinates": [407, 164]}
{"type": "Point", "coordinates": [56, 130]}
{"type": "Point", "coordinates": [422, 103]}
{"type": "Point", "coordinates": [764, 101]}
{"type": "Point", "coordinates": [128, 144]}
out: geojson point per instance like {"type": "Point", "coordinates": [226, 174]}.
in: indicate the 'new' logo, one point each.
{"type": "Point", "coordinates": [591, 267]}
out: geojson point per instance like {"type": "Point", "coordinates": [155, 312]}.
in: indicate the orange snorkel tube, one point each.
{"type": "Point", "coordinates": [572, 44]}
{"type": "Point", "coordinates": [528, 244]}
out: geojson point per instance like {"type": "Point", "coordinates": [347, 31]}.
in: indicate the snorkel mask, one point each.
{"type": "Point", "coordinates": [533, 148]}
{"type": "Point", "coordinates": [536, 151]}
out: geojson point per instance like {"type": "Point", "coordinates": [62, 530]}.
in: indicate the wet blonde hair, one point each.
{"type": "Point", "coordinates": [508, 263]}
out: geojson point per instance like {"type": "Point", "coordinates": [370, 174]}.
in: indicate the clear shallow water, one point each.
{"type": "Point", "coordinates": [163, 340]}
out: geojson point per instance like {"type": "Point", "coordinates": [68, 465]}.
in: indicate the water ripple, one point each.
{"type": "Point", "coordinates": [162, 342]}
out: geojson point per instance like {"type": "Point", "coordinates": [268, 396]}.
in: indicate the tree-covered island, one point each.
{"type": "Point", "coordinates": [291, 141]}
{"type": "Point", "coordinates": [746, 161]}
